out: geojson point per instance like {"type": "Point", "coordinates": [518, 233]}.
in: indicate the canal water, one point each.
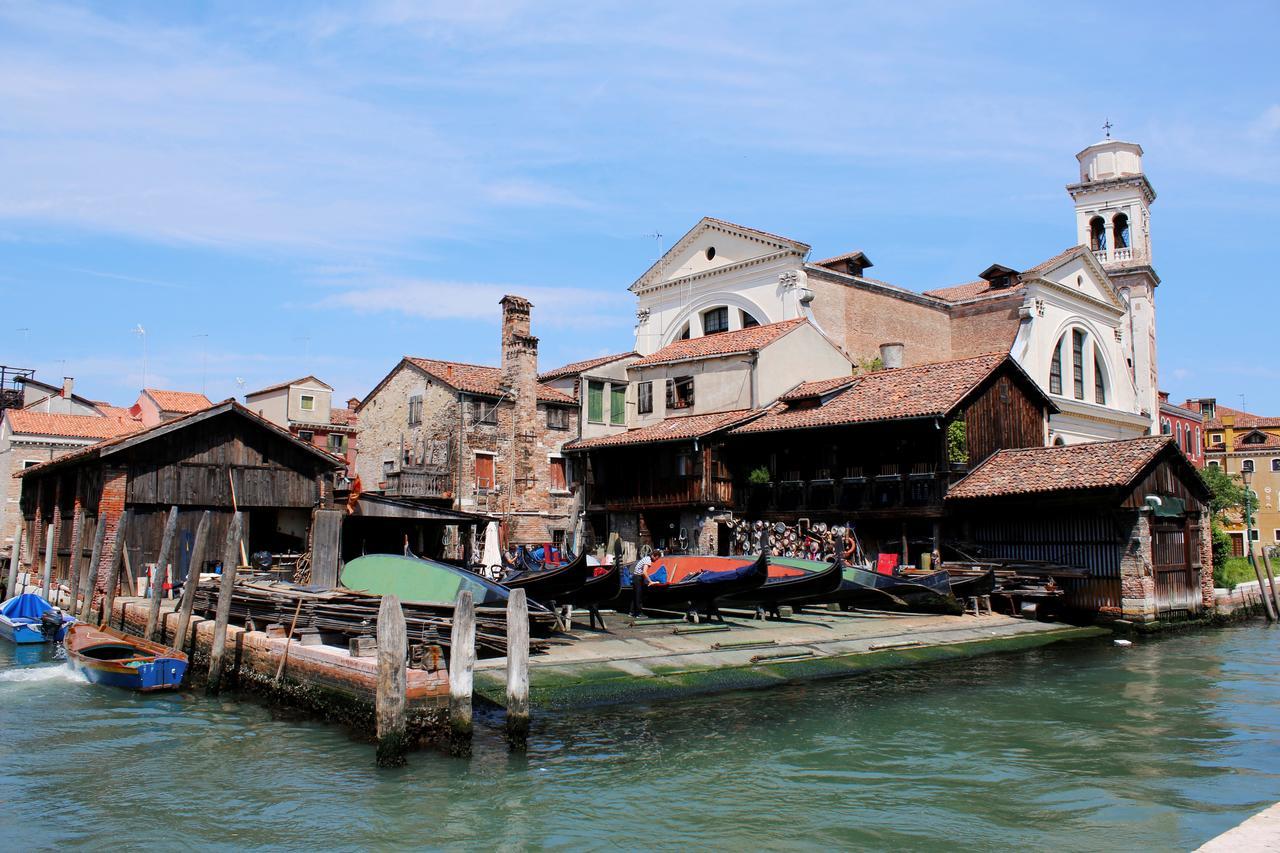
{"type": "Point", "coordinates": [1086, 746]}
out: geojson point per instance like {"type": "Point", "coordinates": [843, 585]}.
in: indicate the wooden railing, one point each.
{"type": "Point", "coordinates": [882, 490]}
{"type": "Point", "coordinates": [409, 483]}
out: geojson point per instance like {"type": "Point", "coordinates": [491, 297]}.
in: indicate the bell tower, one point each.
{"type": "Point", "coordinates": [1113, 218]}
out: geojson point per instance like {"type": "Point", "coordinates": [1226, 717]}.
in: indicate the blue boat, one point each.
{"type": "Point", "coordinates": [104, 655]}
{"type": "Point", "coordinates": [28, 618]}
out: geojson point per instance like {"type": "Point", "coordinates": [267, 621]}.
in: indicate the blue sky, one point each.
{"type": "Point", "coordinates": [272, 190]}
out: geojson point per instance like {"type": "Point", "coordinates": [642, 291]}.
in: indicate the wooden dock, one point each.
{"type": "Point", "coordinates": [654, 659]}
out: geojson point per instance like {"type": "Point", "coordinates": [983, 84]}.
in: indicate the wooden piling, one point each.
{"type": "Point", "coordinates": [1271, 581]}
{"type": "Point", "coordinates": [47, 577]}
{"type": "Point", "coordinates": [10, 589]}
{"type": "Point", "coordinates": [193, 580]}
{"type": "Point", "coordinates": [74, 560]}
{"type": "Point", "coordinates": [230, 552]}
{"type": "Point", "coordinates": [462, 661]}
{"type": "Point", "coordinates": [161, 573]}
{"type": "Point", "coordinates": [89, 574]}
{"type": "Point", "coordinates": [391, 700]}
{"type": "Point", "coordinates": [113, 566]}
{"type": "Point", "coordinates": [517, 669]}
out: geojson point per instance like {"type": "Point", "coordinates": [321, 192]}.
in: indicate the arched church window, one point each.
{"type": "Point", "coordinates": [715, 320]}
{"type": "Point", "coordinates": [1077, 363]}
{"type": "Point", "coordinates": [748, 321]}
{"type": "Point", "coordinates": [1120, 226]}
{"type": "Point", "coordinates": [684, 333]}
{"type": "Point", "coordinates": [1097, 234]}
{"type": "Point", "coordinates": [1164, 427]}
{"type": "Point", "coordinates": [1055, 368]}
{"type": "Point", "coordinates": [1099, 378]}
{"type": "Point", "coordinates": [1059, 441]}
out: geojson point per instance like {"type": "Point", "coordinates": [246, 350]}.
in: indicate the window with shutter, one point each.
{"type": "Point", "coordinates": [559, 482]}
{"type": "Point", "coordinates": [617, 404]}
{"type": "Point", "coordinates": [595, 402]}
{"type": "Point", "coordinates": [644, 398]}
{"type": "Point", "coordinates": [484, 472]}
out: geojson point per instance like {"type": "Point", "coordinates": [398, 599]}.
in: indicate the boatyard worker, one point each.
{"type": "Point", "coordinates": [638, 581]}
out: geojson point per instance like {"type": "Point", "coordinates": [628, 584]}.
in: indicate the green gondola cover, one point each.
{"type": "Point", "coordinates": [411, 579]}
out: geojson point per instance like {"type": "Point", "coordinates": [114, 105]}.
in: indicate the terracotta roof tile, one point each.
{"type": "Point", "coordinates": [1243, 420]}
{"type": "Point", "coordinates": [110, 411]}
{"type": "Point", "coordinates": [69, 426]}
{"type": "Point", "coordinates": [579, 366]}
{"type": "Point", "coordinates": [182, 402]}
{"type": "Point", "coordinates": [670, 429]}
{"type": "Point", "coordinates": [288, 384]}
{"type": "Point", "coordinates": [1269, 442]}
{"type": "Point", "coordinates": [925, 390]}
{"type": "Point", "coordinates": [342, 417]}
{"type": "Point", "coordinates": [1035, 470]}
{"type": "Point", "coordinates": [805, 390]}
{"type": "Point", "coordinates": [478, 379]}
{"type": "Point", "coordinates": [723, 343]}
{"type": "Point", "coordinates": [984, 288]}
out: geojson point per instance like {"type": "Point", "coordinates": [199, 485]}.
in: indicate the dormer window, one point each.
{"type": "Point", "coordinates": [308, 403]}
{"type": "Point", "coordinates": [999, 275]}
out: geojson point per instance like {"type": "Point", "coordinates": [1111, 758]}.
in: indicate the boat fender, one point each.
{"type": "Point", "coordinates": [848, 547]}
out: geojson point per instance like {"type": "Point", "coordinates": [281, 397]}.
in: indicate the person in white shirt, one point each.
{"type": "Point", "coordinates": [639, 579]}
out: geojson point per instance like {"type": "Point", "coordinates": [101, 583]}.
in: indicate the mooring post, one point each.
{"type": "Point", "coordinates": [73, 562]}
{"type": "Point", "coordinates": [393, 683]}
{"type": "Point", "coordinates": [230, 553]}
{"type": "Point", "coordinates": [10, 587]}
{"type": "Point", "coordinates": [161, 573]}
{"type": "Point", "coordinates": [193, 580]}
{"type": "Point", "coordinates": [89, 574]}
{"type": "Point", "coordinates": [46, 577]}
{"type": "Point", "coordinates": [113, 567]}
{"type": "Point", "coordinates": [462, 661]}
{"type": "Point", "coordinates": [517, 669]}
{"type": "Point", "coordinates": [1271, 581]}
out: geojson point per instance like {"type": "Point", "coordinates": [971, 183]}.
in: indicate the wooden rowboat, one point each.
{"type": "Point", "coordinates": [104, 655]}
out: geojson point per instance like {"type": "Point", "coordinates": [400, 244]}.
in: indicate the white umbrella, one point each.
{"type": "Point", "coordinates": [492, 551]}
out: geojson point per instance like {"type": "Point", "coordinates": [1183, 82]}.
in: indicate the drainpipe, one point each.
{"type": "Point", "coordinates": [457, 487]}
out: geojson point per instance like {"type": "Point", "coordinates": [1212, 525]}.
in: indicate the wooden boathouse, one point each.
{"type": "Point", "coordinates": [1133, 514]}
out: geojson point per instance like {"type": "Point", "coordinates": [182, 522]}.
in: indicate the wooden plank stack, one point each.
{"type": "Point", "coordinates": [354, 614]}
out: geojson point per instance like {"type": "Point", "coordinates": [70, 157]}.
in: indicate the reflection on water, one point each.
{"type": "Point", "coordinates": [1080, 747]}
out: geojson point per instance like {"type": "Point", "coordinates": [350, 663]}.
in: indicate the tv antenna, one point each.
{"type": "Point", "coordinates": [657, 238]}
{"type": "Point", "coordinates": [142, 333]}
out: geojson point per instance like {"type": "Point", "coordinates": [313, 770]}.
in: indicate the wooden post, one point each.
{"type": "Point", "coordinates": [1271, 581]}
{"type": "Point", "coordinates": [229, 554]}
{"type": "Point", "coordinates": [517, 669]}
{"type": "Point", "coordinates": [73, 561]}
{"type": "Point", "coordinates": [193, 580]}
{"type": "Point", "coordinates": [393, 684]}
{"type": "Point", "coordinates": [462, 661]}
{"type": "Point", "coordinates": [9, 588]}
{"type": "Point", "coordinates": [47, 577]}
{"type": "Point", "coordinates": [1267, 604]}
{"type": "Point", "coordinates": [161, 573]}
{"type": "Point", "coordinates": [113, 567]}
{"type": "Point", "coordinates": [326, 546]}
{"type": "Point", "coordinates": [89, 575]}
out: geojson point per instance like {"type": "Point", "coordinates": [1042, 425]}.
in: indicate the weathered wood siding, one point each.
{"type": "Point", "coordinates": [1003, 416]}
{"type": "Point", "coordinates": [1165, 480]}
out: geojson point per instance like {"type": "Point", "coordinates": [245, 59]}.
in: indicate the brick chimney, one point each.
{"type": "Point", "coordinates": [67, 384]}
{"type": "Point", "coordinates": [520, 376]}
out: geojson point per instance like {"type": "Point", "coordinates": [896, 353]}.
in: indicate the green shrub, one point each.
{"type": "Point", "coordinates": [759, 476]}
{"type": "Point", "coordinates": [957, 442]}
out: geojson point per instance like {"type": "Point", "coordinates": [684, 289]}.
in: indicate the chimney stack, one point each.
{"type": "Point", "coordinates": [352, 403]}
{"type": "Point", "coordinates": [520, 376]}
{"type": "Point", "coordinates": [891, 355]}
{"type": "Point", "coordinates": [67, 384]}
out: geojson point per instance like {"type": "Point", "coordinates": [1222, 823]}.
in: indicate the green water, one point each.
{"type": "Point", "coordinates": [1085, 746]}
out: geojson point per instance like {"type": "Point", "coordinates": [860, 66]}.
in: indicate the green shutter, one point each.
{"type": "Point", "coordinates": [617, 404]}
{"type": "Point", "coordinates": [595, 402]}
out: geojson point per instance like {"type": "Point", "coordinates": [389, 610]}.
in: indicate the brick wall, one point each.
{"type": "Point", "coordinates": [110, 510]}
{"type": "Point", "coordinates": [861, 319]}
{"type": "Point", "coordinates": [1137, 576]}
{"type": "Point", "coordinates": [988, 327]}
{"type": "Point", "coordinates": [1206, 563]}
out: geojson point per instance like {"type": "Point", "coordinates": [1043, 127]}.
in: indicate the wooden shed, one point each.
{"type": "Point", "coordinates": [1133, 514]}
{"type": "Point", "coordinates": [216, 459]}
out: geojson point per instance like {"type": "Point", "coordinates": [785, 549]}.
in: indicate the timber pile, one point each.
{"type": "Point", "coordinates": [356, 613]}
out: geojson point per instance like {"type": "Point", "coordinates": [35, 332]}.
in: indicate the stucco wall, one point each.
{"type": "Point", "coordinates": [802, 355]}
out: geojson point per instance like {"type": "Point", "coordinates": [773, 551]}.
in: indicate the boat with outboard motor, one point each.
{"type": "Point", "coordinates": [28, 618]}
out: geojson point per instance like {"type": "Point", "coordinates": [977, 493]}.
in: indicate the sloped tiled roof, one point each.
{"type": "Point", "coordinates": [723, 343]}
{"type": "Point", "coordinates": [982, 288]}
{"type": "Point", "coordinates": [342, 417]}
{"type": "Point", "coordinates": [925, 390]}
{"type": "Point", "coordinates": [1269, 442]}
{"type": "Point", "coordinates": [478, 379]}
{"type": "Point", "coordinates": [670, 429]}
{"type": "Point", "coordinates": [806, 390]}
{"type": "Point", "coordinates": [1035, 470]}
{"type": "Point", "coordinates": [110, 411]}
{"type": "Point", "coordinates": [181, 402]}
{"type": "Point", "coordinates": [25, 422]}
{"type": "Point", "coordinates": [1243, 420]}
{"type": "Point", "coordinates": [579, 366]}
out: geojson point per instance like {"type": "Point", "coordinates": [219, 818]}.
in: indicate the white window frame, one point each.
{"type": "Point", "coordinates": [304, 399]}
{"type": "Point", "coordinates": [494, 488]}
{"type": "Point", "coordinates": [30, 463]}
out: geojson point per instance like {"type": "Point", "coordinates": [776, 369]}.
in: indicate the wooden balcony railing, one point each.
{"type": "Point", "coordinates": [410, 483]}
{"type": "Point", "coordinates": [886, 489]}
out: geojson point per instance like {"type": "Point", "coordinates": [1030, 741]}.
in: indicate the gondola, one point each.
{"type": "Point", "coordinates": [696, 583]}
{"type": "Point", "coordinates": [852, 591]}
{"type": "Point", "coordinates": [104, 655]}
{"type": "Point", "coordinates": [789, 583]}
{"type": "Point", "coordinates": [925, 593]}
{"type": "Point", "coordinates": [548, 585]}
{"type": "Point", "coordinates": [28, 618]}
{"type": "Point", "coordinates": [597, 590]}
{"type": "Point", "coordinates": [419, 580]}
{"type": "Point", "coordinates": [967, 586]}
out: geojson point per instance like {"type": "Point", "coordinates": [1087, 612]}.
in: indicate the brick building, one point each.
{"type": "Point", "coordinates": [1186, 428]}
{"type": "Point", "coordinates": [304, 406]}
{"type": "Point", "coordinates": [474, 437]}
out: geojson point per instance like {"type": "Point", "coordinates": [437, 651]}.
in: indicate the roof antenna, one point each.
{"type": "Point", "coordinates": [1106, 126]}
{"type": "Point", "coordinates": [658, 238]}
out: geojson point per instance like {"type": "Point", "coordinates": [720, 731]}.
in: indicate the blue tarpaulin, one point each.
{"type": "Point", "coordinates": [26, 606]}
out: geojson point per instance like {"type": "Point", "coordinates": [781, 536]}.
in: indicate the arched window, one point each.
{"type": "Point", "coordinates": [1058, 441]}
{"type": "Point", "coordinates": [1099, 378]}
{"type": "Point", "coordinates": [1247, 466]}
{"type": "Point", "coordinates": [1097, 234]}
{"type": "Point", "coordinates": [1164, 427]}
{"type": "Point", "coordinates": [1120, 228]}
{"type": "Point", "coordinates": [715, 320]}
{"type": "Point", "coordinates": [684, 333]}
{"type": "Point", "coordinates": [748, 321]}
{"type": "Point", "coordinates": [1055, 368]}
{"type": "Point", "coordinates": [1077, 362]}
{"type": "Point", "coordinates": [1177, 438]}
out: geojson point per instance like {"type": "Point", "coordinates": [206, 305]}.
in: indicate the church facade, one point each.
{"type": "Point", "coordinates": [1081, 324]}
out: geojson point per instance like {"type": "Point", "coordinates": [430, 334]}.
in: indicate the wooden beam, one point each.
{"type": "Point", "coordinates": [161, 573]}
{"type": "Point", "coordinates": [226, 588]}
{"type": "Point", "coordinates": [75, 558]}
{"type": "Point", "coordinates": [198, 549]}
{"type": "Point", "coordinates": [9, 587]}
{"type": "Point", "coordinates": [462, 661]}
{"type": "Point", "coordinates": [113, 565]}
{"type": "Point", "coordinates": [391, 699]}
{"type": "Point", "coordinates": [517, 669]}
{"type": "Point", "coordinates": [326, 546]}
{"type": "Point", "coordinates": [47, 576]}
{"type": "Point", "coordinates": [89, 580]}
